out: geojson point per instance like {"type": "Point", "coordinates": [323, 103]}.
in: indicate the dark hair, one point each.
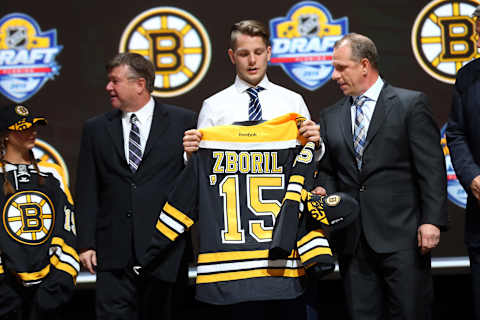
{"type": "Point", "coordinates": [7, 185]}
{"type": "Point", "coordinates": [362, 47]}
{"type": "Point", "coordinates": [251, 28]}
{"type": "Point", "coordinates": [139, 66]}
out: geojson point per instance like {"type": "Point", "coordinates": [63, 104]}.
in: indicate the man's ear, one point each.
{"type": "Point", "coordinates": [141, 85]}
{"type": "Point", "coordinates": [231, 54]}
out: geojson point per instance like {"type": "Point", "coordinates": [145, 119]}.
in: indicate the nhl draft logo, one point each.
{"type": "Point", "coordinates": [176, 43]}
{"type": "Point", "coordinates": [455, 191]}
{"type": "Point", "coordinates": [27, 56]}
{"type": "Point", "coordinates": [302, 43]}
{"type": "Point", "coordinates": [443, 38]}
{"type": "Point", "coordinates": [29, 217]}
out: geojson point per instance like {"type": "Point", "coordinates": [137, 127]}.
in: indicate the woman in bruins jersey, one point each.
{"type": "Point", "coordinates": [38, 262]}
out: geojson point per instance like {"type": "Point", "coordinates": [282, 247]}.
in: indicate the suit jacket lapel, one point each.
{"type": "Point", "coordinates": [382, 109]}
{"type": "Point", "coordinates": [114, 128]}
{"type": "Point", "coordinates": [346, 125]}
{"type": "Point", "coordinates": [159, 125]}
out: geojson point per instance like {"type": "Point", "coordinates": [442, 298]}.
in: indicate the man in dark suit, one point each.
{"type": "Point", "coordinates": [463, 138]}
{"type": "Point", "coordinates": [383, 148]}
{"type": "Point", "coordinates": [129, 159]}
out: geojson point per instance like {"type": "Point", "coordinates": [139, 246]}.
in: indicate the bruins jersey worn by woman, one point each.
{"type": "Point", "coordinates": [36, 241]}
{"type": "Point", "coordinates": [38, 260]}
{"type": "Point", "coordinates": [233, 188]}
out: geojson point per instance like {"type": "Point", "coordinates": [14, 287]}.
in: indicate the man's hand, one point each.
{"type": "Point", "coordinates": [310, 131]}
{"type": "Point", "coordinates": [475, 187]}
{"type": "Point", "coordinates": [319, 191]}
{"type": "Point", "coordinates": [191, 141]}
{"type": "Point", "coordinates": [428, 237]}
{"type": "Point", "coordinates": [88, 258]}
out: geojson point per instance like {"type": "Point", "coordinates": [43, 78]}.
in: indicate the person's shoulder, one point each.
{"type": "Point", "coordinates": [402, 93]}
{"type": "Point", "coordinates": [221, 95]}
{"type": "Point", "coordinates": [284, 91]}
{"type": "Point", "coordinates": [335, 106]}
{"type": "Point", "coordinates": [100, 119]}
{"type": "Point", "coordinates": [468, 74]}
{"type": "Point", "coordinates": [174, 109]}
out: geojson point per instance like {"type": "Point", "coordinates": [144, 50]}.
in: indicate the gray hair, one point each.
{"type": "Point", "coordinates": [138, 65]}
{"type": "Point", "coordinates": [362, 47]}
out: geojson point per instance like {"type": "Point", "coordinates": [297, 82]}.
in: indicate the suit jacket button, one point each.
{"type": "Point", "coordinates": [129, 214]}
{"type": "Point", "coordinates": [134, 186]}
{"type": "Point", "coordinates": [363, 188]}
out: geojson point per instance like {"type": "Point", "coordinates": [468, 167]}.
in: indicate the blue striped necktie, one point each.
{"type": "Point", "coordinates": [254, 107]}
{"type": "Point", "coordinates": [360, 129]}
{"type": "Point", "coordinates": [134, 146]}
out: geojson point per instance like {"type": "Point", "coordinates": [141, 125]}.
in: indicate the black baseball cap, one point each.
{"type": "Point", "coordinates": [18, 118]}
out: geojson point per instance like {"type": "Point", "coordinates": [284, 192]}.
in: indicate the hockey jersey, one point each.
{"type": "Point", "coordinates": [233, 188]}
{"type": "Point", "coordinates": [37, 233]}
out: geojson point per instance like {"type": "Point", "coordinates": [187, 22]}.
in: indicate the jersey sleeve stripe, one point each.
{"type": "Point", "coordinates": [295, 187]}
{"type": "Point", "coordinates": [63, 267]}
{"type": "Point", "coordinates": [292, 196]}
{"type": "Point", "coordinates": [297, 179]}
{"type": "Point", "coordinates": [32, 276]}
{"type": "Point", "coordinates": [178, 215]}
{"type": "Point", "coordinates": [311, 235]}
{"type": "Point", "coordinates": [315, 253]}
{"type": "Point", "coordinates": [166, 231]}
{"type": "Point", "coordinates": [171, 223]}
{"type": "Point", "coordinates": [65, 247]}
{"type": "Point", "coordinates": [318, 242]}
{"type": "Point", "coordinates": [249, 274]}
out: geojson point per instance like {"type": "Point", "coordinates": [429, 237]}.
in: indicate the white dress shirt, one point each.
{"type": "Point", "coordinates": [144, 122]}
{"type": "Point", "coordinates": [369, 106]}
{"type": "Point", "coordinates": [231, 104]}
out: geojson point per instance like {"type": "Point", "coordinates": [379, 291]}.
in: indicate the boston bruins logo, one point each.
{"type": "Point", "coordinates": [29, 217]}
{"type": "Point", "coordinates": [176, 43]}
{"type": "Point", "coordinates": [21, 111]}
{"type": "Point", "coordinates": [443, 37]}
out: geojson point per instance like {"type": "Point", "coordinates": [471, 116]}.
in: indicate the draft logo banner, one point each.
{"type": "Point", "coordinates": [302, 43]}
{"type": "Point", "coordinates": [177, 44]}
{"type": "Point", "coordinates": [443, 38]}
{"type": "Point", "coordinates": [27, 56]}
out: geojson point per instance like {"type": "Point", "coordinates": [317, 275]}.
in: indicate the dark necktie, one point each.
{"type": "Point", "coordinates": [254, 107]}
{"type": "Point", "coordinates": [360, 129]}
{"type": "Point", "coordinates": [134, 147]}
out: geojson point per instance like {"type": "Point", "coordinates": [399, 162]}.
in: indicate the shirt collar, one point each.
{"type": "Point", "coordinates": [242, 86]}
{"type": "Point", "coordinates": [144, 113]}
{"type": "Point", "coordinates": [374, 91]}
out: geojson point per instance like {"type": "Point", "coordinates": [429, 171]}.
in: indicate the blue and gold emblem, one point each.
{"type": "Point", "coordinates": [302, 43]}
{"type": "Point", "coordinates": [27, 56]}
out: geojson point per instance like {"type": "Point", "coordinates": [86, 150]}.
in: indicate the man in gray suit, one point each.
{"type": "Point", "coordinates": [383, 148]}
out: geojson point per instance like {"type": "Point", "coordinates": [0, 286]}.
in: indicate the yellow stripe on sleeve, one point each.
{"type": "Point", "coordinates": [32, 276]}
{"type": "Point", "coordinates": [166, 231]}
{"type": "Point", "coordinates": [178, 215]}
{"type": "Point", "coordinates": [310, 236]}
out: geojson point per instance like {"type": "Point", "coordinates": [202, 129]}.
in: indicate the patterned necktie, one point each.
{"type": "Point", "coordinates": [254, 107]}
{"type": "Point", "coordinates": [134, 147]}
{"type": "Point", "coordinates": [360, 129]}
